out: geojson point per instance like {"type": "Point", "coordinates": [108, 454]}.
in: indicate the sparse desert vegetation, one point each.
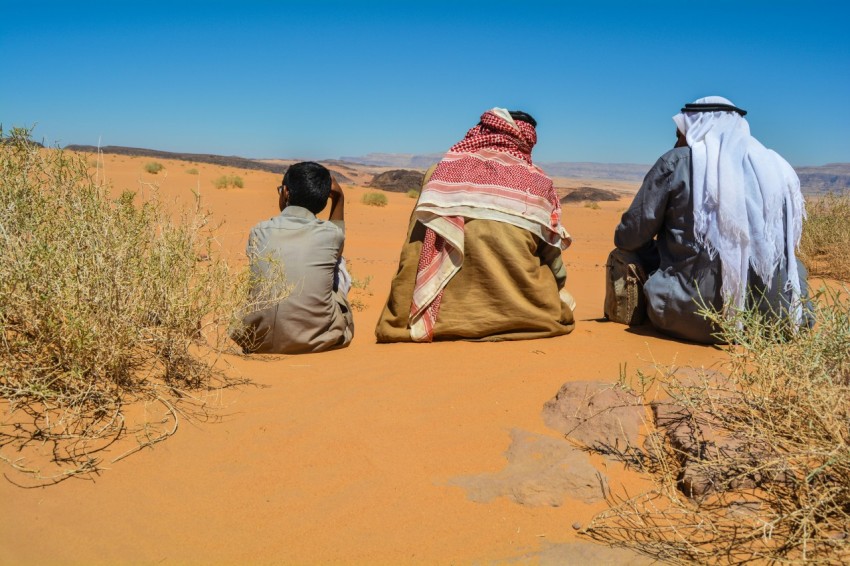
{"type": "Point", "coordinates": [359, 289]}
{"type": "Point", "coordinates": [826, 237]}
{"type": "Point", "coordinates": [374, 199]}
{"type": "Point", "coordinates": [227, 181]}
{"type": "Point", "coordinates": [153, 167]}
{"type": "Point", "coordinates": [763, 473]}
{"type": "Point", "coordinates": [102, 302]}
{"type": "Point", "coordinates": [413, 193]}
{"type": "Point", "coordinates": [192, 171]}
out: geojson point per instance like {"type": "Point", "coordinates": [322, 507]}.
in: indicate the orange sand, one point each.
{"type": "Point", "coordinates": [344, 457]}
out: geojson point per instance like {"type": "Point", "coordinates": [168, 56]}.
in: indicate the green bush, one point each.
{"type": "Point", "coordinates": [413, 193]}
{"type": "Point", "coordinates": [192, 171]}
{"type": "Point", "coordinates": [374, 199]}
{"type": "Point", "coordinates": [153, 167]}
{"type": "Point", "coordinates": [101, 301]}
{"type": "Point", "coordinates": [226, 181]}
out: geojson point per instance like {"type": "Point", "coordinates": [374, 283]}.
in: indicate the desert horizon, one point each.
{"type": "Point", "coordinates": [814, 179]}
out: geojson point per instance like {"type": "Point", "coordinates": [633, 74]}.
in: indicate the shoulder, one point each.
{"type": "Point", "coordinates": [673, 159]}
{"type": "Point", "coordinates": [264, 225]}
{"type": "Point", "coordinates": [332, 227]}
{"type": "Point", "coordinates": [324, 232]}
{"type": "Point", "coordinates": [671, 167]}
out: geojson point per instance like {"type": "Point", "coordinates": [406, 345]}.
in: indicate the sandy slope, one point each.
{"type": "Point", "coordinates": [344, 457]}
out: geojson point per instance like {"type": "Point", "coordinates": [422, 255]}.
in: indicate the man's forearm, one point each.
{"type": "Point", "coordinates": [337, 202]}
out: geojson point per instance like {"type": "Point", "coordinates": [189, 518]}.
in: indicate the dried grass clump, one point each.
{"type": "Point", "coordinates": [153, 167]}
{"type": "Point", "coordinates": [826, 237]}
{"type": "Point", "coordinates": [102, 302]}
{"type": "Point", "coordinates": [226, 181]}
{"type": "Point", "coordinates": [773, 442]}
{"type": "Point", "coordinates": [374, 199]}
{"type": "Point", "coordinates": [359, 290]}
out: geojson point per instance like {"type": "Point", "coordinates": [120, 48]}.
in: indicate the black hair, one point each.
{"type": "Point", "coordinates": [309, 185]}
{"type": "Point", "coordinates": [522, 116]}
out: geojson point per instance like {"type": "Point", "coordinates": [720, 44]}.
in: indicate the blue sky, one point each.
{"type": "Point", "coordinates": [325, 79]}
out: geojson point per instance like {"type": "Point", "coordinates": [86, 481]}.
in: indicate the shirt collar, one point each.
{"type": "Point", "coordinates": [298, 212]}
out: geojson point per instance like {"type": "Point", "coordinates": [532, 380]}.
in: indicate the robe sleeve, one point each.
{"type": "Point", "coordinates": [551, 256]}
{"type": "Point", "coordinates": [645, 217]}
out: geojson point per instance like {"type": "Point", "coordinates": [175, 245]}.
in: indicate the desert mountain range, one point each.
{"type": "Point", "coordinates": [832, 177]}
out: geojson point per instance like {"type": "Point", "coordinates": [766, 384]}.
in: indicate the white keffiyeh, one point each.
{"type": "Point", "coordinates": [740, 189]}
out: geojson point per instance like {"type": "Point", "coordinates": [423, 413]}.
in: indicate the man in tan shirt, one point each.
{"type": "Point", "coordinates": [316, 315]}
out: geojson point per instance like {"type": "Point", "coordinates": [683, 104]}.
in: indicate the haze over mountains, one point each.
{"type": "Point", "coordinates": [833, 177]}
{"type": "Point", "coordinates": [829, 178]}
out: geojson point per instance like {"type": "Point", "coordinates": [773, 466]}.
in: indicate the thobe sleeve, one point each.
{"type": "Point", "coordinates": [551, 256]}
{"type": "Point", "coordinates": [645, 217]}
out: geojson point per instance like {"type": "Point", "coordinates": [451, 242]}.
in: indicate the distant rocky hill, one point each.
{"type": "Point", "coordinates": [398, 180]}
{"type": "Point", "coordinates": [223, 160]}
{"type": "Point", "coordinates": [592, 194]}
{"type": "Point", "coordinates": [830, 178]}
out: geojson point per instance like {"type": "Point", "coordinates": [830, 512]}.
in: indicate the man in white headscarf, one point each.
{"type": "Point", "coordinates": [716, 223]}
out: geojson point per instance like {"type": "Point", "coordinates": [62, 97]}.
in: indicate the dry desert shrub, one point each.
{"type": "Point", "coordinates": [771, 447]}
{"type": "Point", "coordinates": [102, 302]}
{"type": "Point", "coordinates": [826, 237]}
{"type": "Point", "coordinates": [359, 290]}
{"type": "Point", "coordinates": [374, 199]}
{"type": "Point", "coordinates": [153, 167]}
{"type": "Point", "coordinates": [226, 181]}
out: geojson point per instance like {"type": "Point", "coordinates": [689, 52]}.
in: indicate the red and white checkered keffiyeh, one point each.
{"type": "Point", "coordinates": [487, 175]}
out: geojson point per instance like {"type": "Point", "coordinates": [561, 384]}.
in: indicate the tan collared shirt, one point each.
{"type": "Point", "coordinates": [315, 316]}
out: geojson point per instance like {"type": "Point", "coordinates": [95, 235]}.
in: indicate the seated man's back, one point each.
{"type": "Point", "coordinates": [316, 315]}
{"type": "Point", "coordinates": [482, 260]}
{"type": "Point", "coordinates": [716, 222]}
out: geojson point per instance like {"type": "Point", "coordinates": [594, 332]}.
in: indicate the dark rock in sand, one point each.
{"type": "Point", "coordinates": [540, 471]}
{"type": "Point", "coordinates": [398, 180]}
{"type": "Point", "coordinates": [609, 420]}
{"type": "Point", "coordinates": [698, 437]}
{"type": "Point", "coordinates": [603, 416]}
{"type": "Point", "coordinates": [591, 194]}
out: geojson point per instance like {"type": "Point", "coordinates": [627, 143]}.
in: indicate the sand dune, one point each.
{"type": "Point", "coordinates": [348, 456]}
